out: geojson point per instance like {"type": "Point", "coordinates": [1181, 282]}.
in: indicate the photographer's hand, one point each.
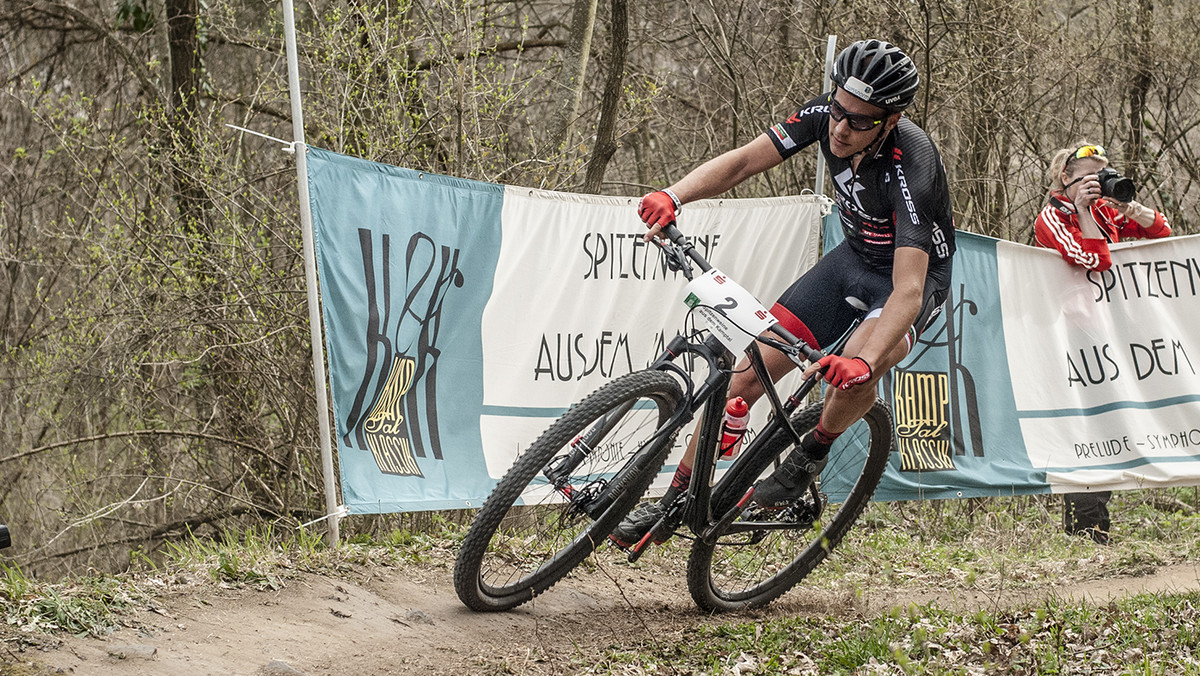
{"type": "Point", "coordinates": [1138, 213]}
{"type": "Point", "coordinates": [1087, 192]}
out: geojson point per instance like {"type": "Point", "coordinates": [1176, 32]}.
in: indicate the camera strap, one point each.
{"type": "Point", "coordinates": [1058, 201]}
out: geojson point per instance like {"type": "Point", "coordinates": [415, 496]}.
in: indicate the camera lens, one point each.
{"type": "Point", "coordinates": [1115, 185]}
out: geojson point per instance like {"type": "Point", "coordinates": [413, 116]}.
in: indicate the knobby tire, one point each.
{"type": "Point", "coordinates": [526, 537]}
{"type": "Point", "coordinates": [738, 571]}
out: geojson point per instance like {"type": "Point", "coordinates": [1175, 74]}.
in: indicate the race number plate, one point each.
{"type": "Point", "coordinates": [730, 312]}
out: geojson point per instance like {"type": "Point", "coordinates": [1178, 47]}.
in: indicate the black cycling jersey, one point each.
{"type": "Point", "coordinates": [898, 197]}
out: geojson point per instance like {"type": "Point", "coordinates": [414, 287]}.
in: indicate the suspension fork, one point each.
{"type": "Point", "coordinates": [558, 471]}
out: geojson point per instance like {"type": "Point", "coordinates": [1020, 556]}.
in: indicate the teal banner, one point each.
{"type": "Point", "coordinates": [957, 434]}
{"type": "Point", "coordinates": [406, 262]}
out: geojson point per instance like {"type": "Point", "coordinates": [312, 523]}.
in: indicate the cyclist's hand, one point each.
{"type": "Point", "coordinates": [845, 373]}
{"type": "Point", "coordinates": [657, 210]}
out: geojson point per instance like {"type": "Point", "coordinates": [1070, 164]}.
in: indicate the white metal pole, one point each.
{"type": "Point", "coordinates": [332, 511]}
{"type": "Point", "coordinates": [830, 48]}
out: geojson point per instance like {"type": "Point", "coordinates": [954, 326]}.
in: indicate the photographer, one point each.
{"type": "Point", "coordinates": [1089, 207]}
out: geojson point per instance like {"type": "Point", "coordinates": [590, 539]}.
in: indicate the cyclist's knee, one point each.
{"type": "Point", "coordinates": [746, 386]}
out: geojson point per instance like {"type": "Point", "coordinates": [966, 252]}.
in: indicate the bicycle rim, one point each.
{"type": "Point", "coordinates": [750, 568]}
{"type": "Point", "coordinates": [528, 535]}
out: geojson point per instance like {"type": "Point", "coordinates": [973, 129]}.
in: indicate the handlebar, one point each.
{"type": "Point", "coordinates": [672, 233]}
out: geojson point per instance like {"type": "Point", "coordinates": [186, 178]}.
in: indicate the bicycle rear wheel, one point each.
{"type": "Point", "coordinates": [533, 530]}
{"type": "Point", "coordinates": [763, 554]}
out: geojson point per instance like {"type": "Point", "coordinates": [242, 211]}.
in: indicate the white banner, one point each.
{"type": "Point", "coordinates": [579, 298]}
{"type": "Point", "coordinates": [1104, 365]}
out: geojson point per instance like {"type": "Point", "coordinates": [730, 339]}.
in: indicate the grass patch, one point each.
{"type": "Point", "coordinates": [85, 606]}
{"type": "Point", "coordinates": [977, 545]}
{"type": "Point", "coordinates": [1150, 634]}
{"type": "Point", "coordinates": [1010, 542]}
{"type": "Point", "coordinates": [256, 559]}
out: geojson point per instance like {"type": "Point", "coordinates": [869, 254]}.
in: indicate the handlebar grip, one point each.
{"type": "Point", "coordinates": [672, 233]}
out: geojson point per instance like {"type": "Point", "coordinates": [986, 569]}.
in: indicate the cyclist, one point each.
{"type": "Point", "coordinates": [894, 202]}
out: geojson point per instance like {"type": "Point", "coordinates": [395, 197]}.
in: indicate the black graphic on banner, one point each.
{"type": "Point", "coordinates": [400, 424]}
{"type": "Point", "coordinates": [921, 412]}
{"type": "Point", "coordinates": [928, 403]}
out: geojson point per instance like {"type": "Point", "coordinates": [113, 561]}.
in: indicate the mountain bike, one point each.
{"type": "Point", "coordinates": [567, 491]}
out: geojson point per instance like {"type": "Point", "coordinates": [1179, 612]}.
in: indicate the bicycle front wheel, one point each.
{"type": "Point", "coordinates": [567, 491]}
{"type": "Point", "coordinates": [762, 554]}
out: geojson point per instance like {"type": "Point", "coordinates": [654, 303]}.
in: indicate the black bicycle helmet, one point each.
{"type": "Point", "coordinates": [877, 72]}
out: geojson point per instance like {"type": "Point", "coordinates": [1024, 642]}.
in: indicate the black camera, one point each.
{"type": "Point", "coordinates": [5, 538]}
{"type": "Point", "coordinates": [1115, 185]}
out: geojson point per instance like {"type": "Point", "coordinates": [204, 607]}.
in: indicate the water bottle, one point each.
{"type": "Point", "coordinates": [737, 416]}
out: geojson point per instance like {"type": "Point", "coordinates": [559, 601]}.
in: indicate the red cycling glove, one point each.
{"type": "Point", "coordinates": [658, 208]}
{"type": "Point", "coordinates": [845, 373]}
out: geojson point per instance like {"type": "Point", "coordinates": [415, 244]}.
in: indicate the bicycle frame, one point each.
{"type": "Point", "coordinates": [711, 395]}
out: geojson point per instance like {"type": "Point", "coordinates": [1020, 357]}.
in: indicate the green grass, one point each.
{"type": "Point", "coordinates": [984, 545]}
{"type": "Point", "coordinates": [1010, 542]}
{"type": "Point", "coordinates": [1149, 634]}
{"type": "Point", "coordinates": [257, 559]}
{"type": "Point", "coordinates": [90, 605]}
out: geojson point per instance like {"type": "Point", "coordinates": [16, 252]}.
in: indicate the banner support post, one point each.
{"type": "Point", "coordinates": [826, 83]}
{"type": "Point", "coordinates": [332, 510]}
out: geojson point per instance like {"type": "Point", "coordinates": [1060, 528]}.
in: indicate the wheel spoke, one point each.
{"type": "Point", "coordinates": [740, 571]}
{"type": "Point", "coordinates": [531, 532]}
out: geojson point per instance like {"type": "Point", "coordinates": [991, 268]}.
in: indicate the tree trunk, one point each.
{"type": "Point", "coordinates": [606, 143]}
{"type": "Point", "coordinates": [1142, 63]}
{"type": "Point", "coordinates": [569, 84]}
{"type": "Point", "coordinates": [184, 45]}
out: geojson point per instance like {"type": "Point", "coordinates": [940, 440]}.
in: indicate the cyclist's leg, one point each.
{"type": "Point", "coordinates": [843, 408]}
{"type": "Point", "coordinates": [812, 308]}
{"type": "Point", "coordinates": [744, 384]}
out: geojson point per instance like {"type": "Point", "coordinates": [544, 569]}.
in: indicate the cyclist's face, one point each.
{"type": "Point", "coordinates": [844, 139]}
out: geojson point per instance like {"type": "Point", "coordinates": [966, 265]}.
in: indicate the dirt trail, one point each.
{"type": "Point", "coordinates": [398, 621]}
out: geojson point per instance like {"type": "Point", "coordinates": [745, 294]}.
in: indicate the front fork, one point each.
{"type": "Point", "coordinates": [598, 496]}
{"type": "Point", "coordinates": [594, 498]}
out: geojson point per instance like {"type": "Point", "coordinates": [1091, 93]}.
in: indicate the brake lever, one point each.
{"type": "Point", "coordinates": [793, 352]}
{"type": "Point", "coordinates": [676, 260]}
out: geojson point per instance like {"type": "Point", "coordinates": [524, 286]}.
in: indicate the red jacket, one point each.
{"type": "Point", "coordinates": [1057, 227]}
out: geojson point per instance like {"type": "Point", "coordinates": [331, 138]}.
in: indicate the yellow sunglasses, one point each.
{"type": "Point", "coordinates": [1088, 151]}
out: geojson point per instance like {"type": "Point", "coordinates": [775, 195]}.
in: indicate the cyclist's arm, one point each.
{"type": "Point", "coordinates": [901, 309]}
{"type": "Point", "coordinates": [724, 172]}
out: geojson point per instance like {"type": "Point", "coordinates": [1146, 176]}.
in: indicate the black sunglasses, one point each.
{"type": "Point", "coordinates": [856, 121]}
